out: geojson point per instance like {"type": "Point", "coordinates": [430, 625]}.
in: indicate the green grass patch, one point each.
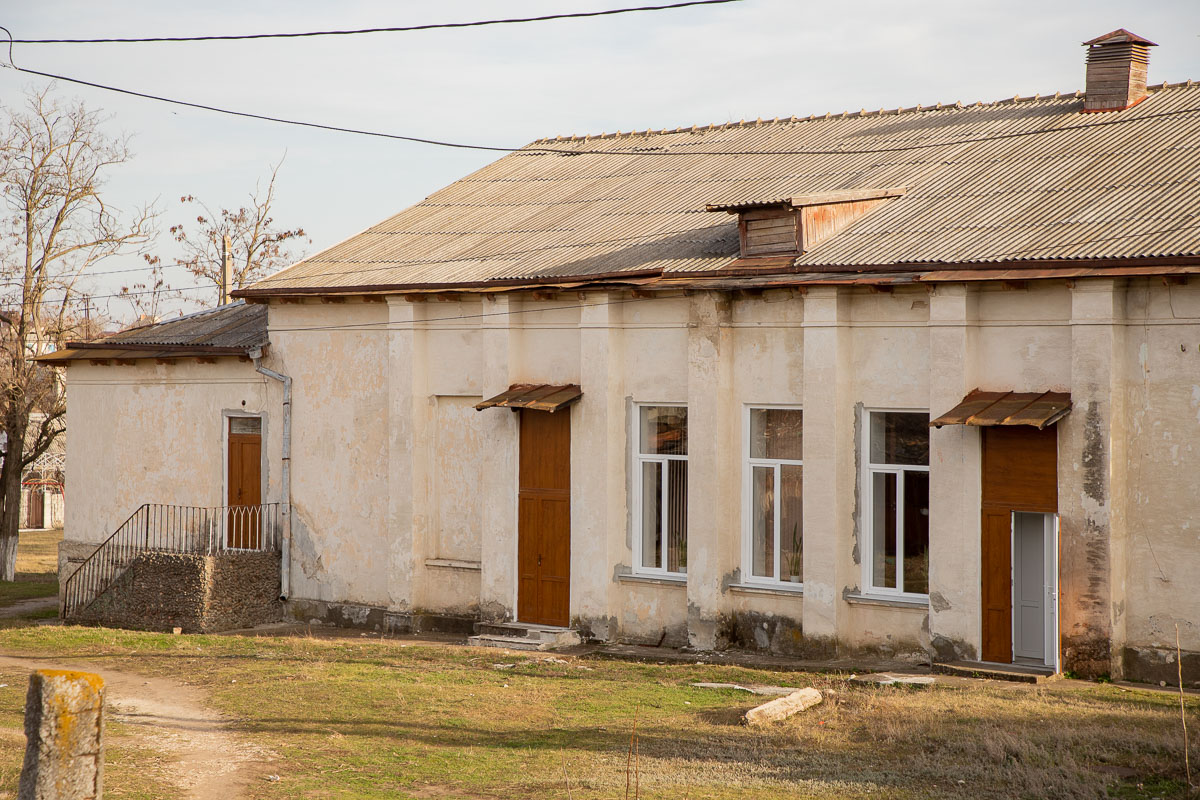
{"type": "Point", "coordinates": [365, 718]}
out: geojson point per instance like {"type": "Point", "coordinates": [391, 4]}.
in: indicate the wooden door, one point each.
{"type": "Point", "coordinates": [544, 518]}
{"type": "Point", "coordinates": [1020, 473]}
{"type": "Point", "coordinates": [35, 516]}
{"type": "Point", "coordinates": [243, 526]}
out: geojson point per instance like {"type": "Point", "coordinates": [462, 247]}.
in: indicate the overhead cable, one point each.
{"type": "Point", "coordinates": [655, 152]}
{"type": "Point", "coordinates": [357, 31]}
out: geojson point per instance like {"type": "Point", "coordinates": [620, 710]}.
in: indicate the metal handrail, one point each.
{"type": "Point", "coordinates": [157, 527]}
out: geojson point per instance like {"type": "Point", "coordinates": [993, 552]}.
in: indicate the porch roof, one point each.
{"type": "Point", "coordinates": [1007, 408]}
{"type": "Point", "coordinates": [536, 396]}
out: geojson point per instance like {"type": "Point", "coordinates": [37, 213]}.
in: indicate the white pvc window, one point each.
{"type": "Point", "coordinates": [774, 528]}
{"type": "Point", "coordinates": [896, 502]}
{"type": "Point", "coordinates": [660, 493]}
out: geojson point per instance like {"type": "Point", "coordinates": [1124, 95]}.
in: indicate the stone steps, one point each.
{"type": "Point", "coordinates": [522, 636]}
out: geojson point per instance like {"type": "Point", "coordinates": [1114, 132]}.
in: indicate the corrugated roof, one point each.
{"type": "Point", "coordinates": [1121, 185]}
{"type": "Point", "coordinates": [231, 329]}
{"type": "Point", "coordinates": [237, 324]}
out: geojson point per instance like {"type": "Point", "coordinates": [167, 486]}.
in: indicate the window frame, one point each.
{"type": "Point", "coordinates": [662, 459]}
{"type": "Point", "coordinates": [748, 465]}
{"type": "Point", "coordinates": [867, 511]}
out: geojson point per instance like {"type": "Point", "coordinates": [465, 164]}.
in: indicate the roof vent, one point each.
{"type": "Point", "coordinates": [779, 226]}
{"type": "Point", "coordinates": [1116, 71]}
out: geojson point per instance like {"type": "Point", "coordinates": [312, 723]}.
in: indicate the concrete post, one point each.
{"type": "Point", "coordinates": [498, 467]}
{"type": "Point", "coordinates": [955, 618]}
{"type": "Point", "coordinates": [64, 726]}
{"type": "Point", "coordinates": [598, 467]}
{"type": "Point", "coordinates": [830, 549]}
{"type": "Point", "coordinates": [1091, 470]}
{"type": "Point", "coordinates": [712, 546]}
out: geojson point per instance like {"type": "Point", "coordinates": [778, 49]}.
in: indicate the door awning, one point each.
{"type": "Point", "coordinates": [537, 396]}
{"type": "Point", "coordinates": [1007, 408]}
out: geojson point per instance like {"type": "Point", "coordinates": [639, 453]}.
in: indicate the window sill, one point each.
{"type": "Point", "coordinates": [775, 590]}
{"type": "Point", "coordinates": [915, 604]}
{"type": "Point", "coordinates": [452, 563]}
{"type": "Point", "coordinates": [654, 580]}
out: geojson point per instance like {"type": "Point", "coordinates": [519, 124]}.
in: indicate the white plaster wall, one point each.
{"type": "Point", "coordinates": [1163, 507]}
{"type": "Point", "coordinates": [154, 433]}
{"type": "Point", "coordinates": [874, 349]}
{"type": "Point", "coordinates": [339, 446]}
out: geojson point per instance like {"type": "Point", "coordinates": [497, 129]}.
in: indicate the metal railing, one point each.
{"type": "Point", "coordinates": [162, 528]}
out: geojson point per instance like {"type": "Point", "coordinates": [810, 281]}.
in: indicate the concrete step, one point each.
{"type": "Point", "coordinates": [507, 642]}
{"type": "Point", "coordinates": [998, 672]}
{"type": "Point", "coordinates": [544, 634]}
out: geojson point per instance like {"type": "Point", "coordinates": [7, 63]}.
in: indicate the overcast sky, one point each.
{"type": "Point", "coordinates": [506, 85]}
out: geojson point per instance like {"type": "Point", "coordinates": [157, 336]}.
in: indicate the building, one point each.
{"type": "Point", "coordinates": [919, 382]}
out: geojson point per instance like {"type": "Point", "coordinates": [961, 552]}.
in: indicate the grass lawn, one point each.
{"type": "Point", "coordinates": [37, 568]}
{"type": "Point", "coordinates": [370, 718]}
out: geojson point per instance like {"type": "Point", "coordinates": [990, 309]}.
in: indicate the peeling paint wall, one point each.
{"type": "Point", "coordinates": [155, 433]}
{"type": "Point", "coordinates": [394, 470]}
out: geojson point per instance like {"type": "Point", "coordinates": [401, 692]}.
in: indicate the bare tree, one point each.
{"type": "Point", "coordinates": [53, 159]}
{"type": "Point", "coordinates": [148, 297]}
{"type": "Point", "coordinates": [259, 247]}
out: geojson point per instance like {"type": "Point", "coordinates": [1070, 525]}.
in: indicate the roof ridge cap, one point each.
{"type": "Point", "coordinates": [917, 109]}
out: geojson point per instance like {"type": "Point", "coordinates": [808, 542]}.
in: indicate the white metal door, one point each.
{"type": "Point", "coordinates": [1029, 588]}
{"type": "Point", "coordinates": [1035, 587]}
{"type": "Point", "coordinates": [1051, 584]}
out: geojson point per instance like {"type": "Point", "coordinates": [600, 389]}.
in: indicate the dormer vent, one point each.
{"type": "Point", "coordinates": [1116, 71]}
{"type": "Point", "coordinates": [781, 226]}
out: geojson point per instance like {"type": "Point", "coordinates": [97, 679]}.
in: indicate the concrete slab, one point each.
{"type": "Point", "coordinates": [783, 707]}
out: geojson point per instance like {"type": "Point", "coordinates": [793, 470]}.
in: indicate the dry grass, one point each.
{"type": "Point", "coordinates": [37, 567]}
{"type": "Point", "coordinates": [37, 552]}
{"type": "Point", "coordinates": [366, 718]}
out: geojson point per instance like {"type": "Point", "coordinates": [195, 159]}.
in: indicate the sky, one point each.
{"type": "Point", "coordinates": [506, 85]}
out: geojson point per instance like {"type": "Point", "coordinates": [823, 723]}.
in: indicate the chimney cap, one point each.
{"type": "Point", "coordinates": [1120, 36]}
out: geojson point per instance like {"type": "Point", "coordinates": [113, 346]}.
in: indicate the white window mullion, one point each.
{"type": "Point", "coordinates": [664, 534]}
{"type": "Point", "coordinates": [777, 504]}
{"type": "Point", "coordinates": [900, 531]}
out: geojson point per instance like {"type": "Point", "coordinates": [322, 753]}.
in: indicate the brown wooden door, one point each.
{"type": "Point", "coordinates": [1020, 473]}
{"type": "Point", "coordinates": [35, 517]}
{"type": "Point", "coordinates": [544, 518]}
{"type": "Point", "coordinates": [244, 524]}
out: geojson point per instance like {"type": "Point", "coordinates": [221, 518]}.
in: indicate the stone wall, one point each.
{"type": "Point", "coordinates": [197, 593]}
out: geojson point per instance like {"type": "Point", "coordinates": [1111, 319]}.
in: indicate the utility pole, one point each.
{"type": "Point", "coordinates": [226, 270]}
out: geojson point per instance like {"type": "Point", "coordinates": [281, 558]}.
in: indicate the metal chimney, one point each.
{"type": "Point", "coordinates": [1116, 71]}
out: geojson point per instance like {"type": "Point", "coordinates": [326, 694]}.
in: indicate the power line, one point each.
{"type": "Point", "coordinates": [403, 29]}
{"type": "Point", "coordinates": [642, 151]}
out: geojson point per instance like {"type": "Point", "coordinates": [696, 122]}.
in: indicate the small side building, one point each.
{"type": "Point", "coordinates": [170, 422]}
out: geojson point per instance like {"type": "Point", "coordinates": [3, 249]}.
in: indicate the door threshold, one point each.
{"type": "Point", "coordinates": [1021, 673]}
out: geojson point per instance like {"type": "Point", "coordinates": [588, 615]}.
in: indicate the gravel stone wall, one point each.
{"type": "Point", "coordinates": [197, 593]}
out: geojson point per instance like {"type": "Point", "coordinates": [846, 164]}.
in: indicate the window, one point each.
{"type": "Point", "coordinates": [774, 507]}
{"type": "Point", "coordinates": [897, 502]}
{"type": "Point", "coordinates": [661, 496]}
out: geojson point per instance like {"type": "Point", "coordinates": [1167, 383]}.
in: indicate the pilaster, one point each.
{"type": "Point", "coordinates": [955, 617]}
{"type": "Point", "coordinates": [712, 547]}
{"type": "Point", "coordinates": [498, 454]}
{"type": "Point", "coordinates": [1091, 468]}
{"type": "Point", "coordinates": [599, 463]}
{"type": "Point", "coordinates": [831, 539]}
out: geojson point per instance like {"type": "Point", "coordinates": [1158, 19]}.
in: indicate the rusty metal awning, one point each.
{"type": "Point", "coordinates": [1007, 408]}
{"type": "Point", "coordinates": [537, 396]}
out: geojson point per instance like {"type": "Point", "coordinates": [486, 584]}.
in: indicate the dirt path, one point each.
{"type": "Point", "coordinates": [23, 608]}
{"type": "Point", "coordinates": [211, 762]}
